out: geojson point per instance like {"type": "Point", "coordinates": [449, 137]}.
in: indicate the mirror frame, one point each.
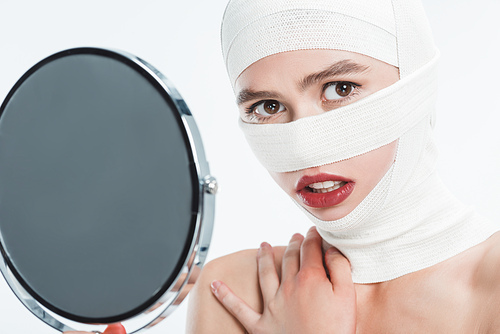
{"type": "Point", "coordinates": [199, 244]}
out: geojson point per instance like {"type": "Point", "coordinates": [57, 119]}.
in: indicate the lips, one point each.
{"type": "Point", "coordinates": [317, 191]}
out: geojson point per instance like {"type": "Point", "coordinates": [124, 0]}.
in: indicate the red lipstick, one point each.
{"type": "Point", "coordinates": [323, 200]}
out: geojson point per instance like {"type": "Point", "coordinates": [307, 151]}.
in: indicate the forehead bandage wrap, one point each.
{"type": "Point", "coordinates": [252, 30]}
{"type": "Point", "coordinates": [409, 221]}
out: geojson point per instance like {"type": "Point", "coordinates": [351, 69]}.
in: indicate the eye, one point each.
{"type": "Point", "coordinates": [268, 108]}
{"type": "Point", "coordinates": [338, 90]}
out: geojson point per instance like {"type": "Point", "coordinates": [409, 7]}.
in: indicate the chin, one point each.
{"type": "Point", "coordinates": [331, 213]}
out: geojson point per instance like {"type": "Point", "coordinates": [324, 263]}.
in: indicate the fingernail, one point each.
{"type": "Point", "coordinates": [295, 236]}
{"type": "Point", "coordinates": [215, 285]}
{"type": "Point", "coordinates": [264, 244]}
{"type": "Point", "coordinates": [260, 249]}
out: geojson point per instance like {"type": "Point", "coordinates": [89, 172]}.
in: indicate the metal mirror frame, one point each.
{"type": "Point", "coordinates": [199, 244]}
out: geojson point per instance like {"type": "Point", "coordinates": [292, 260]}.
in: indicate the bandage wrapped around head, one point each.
{"type": "Point", "coordinates": [409, 221]}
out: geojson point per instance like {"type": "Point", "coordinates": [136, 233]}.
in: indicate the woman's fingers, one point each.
{"type": "Point", "coordinates": [291, 257]}
{"type": "Point", "coordinates": [237, 307]}
{"type": "Point", "coordinates": [268, 277]}
{"type": "Point", "coordinates": [115, 329]}
{"type": "Point", "coordinates": [340, 270]}
{"type": "Point", "coordinates": [111, 329]}
{"type": "Point", "coordinates": [311, 254]}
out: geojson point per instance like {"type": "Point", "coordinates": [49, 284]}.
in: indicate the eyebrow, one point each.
{"type": "Point", "coordinates": [342, 67]}
{"type": "Point", "coordinates": [246, 95]}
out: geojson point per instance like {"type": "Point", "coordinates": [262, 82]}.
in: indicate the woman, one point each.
{"type": "Point", "coordinates": [336, 100]}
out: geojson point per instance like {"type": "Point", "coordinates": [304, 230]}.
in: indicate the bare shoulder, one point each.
{"type": "Point", "coordinates": [239, 271]}
{"type": "Point", "coordinates": [488, 263]}
{"type": "Point", "coordinates": [487, 285]}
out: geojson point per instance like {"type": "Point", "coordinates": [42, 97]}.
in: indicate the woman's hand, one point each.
{"type": "Point", "coordinates": [111, 329]}
{"type": "Point", "coordinates": [306, 301]}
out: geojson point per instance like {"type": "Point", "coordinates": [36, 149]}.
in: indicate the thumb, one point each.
{"type": "Point", "coordinates": [339, 269]}
{"type": "Point", "coordinates": [115, 329]}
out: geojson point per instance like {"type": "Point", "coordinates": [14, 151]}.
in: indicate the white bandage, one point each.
{"type": "Point", "coordinates": [349, 131]}
{"type": "Point", "coordinates": [409, 221]}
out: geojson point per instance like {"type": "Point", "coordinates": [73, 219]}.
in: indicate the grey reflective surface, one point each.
{"type": "Point", "coordinates": [96, 187]}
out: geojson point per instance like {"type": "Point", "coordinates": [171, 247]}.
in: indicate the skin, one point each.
{"type": "Point", "coordinates": [459, 295]}
{"type": "Point", "coordinates": [239, 293]}
{"type": "Point", "coordinates": [300, 292]}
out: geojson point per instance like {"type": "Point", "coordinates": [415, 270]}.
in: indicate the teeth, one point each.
{"type": "Point", "coordinates": [325, 187]}
{"type": "Point", "coordinates": [318, 185]}
{"type": "Point", "coordinates": [328, 184]}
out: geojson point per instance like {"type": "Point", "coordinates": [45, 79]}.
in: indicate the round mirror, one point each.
{"type": "Point", "coordinates": [106, 201]}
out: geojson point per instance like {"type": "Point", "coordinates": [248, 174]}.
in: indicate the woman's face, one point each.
{"type": "Point", "coordinates": [287, 86]}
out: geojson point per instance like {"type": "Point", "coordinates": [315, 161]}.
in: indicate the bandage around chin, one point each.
{"type": "Point", "coordinates": [349, 131]}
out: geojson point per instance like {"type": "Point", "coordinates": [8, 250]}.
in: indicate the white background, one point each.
{"type": "Point", "coordinates": [181, 39]}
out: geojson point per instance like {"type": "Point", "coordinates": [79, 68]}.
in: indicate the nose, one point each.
{"type": "Point", "coordinates": [304, 109]}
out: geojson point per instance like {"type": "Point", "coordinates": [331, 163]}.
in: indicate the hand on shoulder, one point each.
{"type": "Point", "coordinates": [299, 298]}
{"type": "Point", "coordinates": [239, 270]}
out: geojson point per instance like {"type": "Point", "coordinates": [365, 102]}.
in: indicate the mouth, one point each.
{"type": "Point", "coordinates": [323, 190]}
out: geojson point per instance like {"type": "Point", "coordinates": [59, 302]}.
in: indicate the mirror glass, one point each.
{"type": "Point", "coordinates": [101, 186]}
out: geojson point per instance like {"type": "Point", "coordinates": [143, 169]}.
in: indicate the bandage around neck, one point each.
{"type": "Point", "coordinates": [409, 221]}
